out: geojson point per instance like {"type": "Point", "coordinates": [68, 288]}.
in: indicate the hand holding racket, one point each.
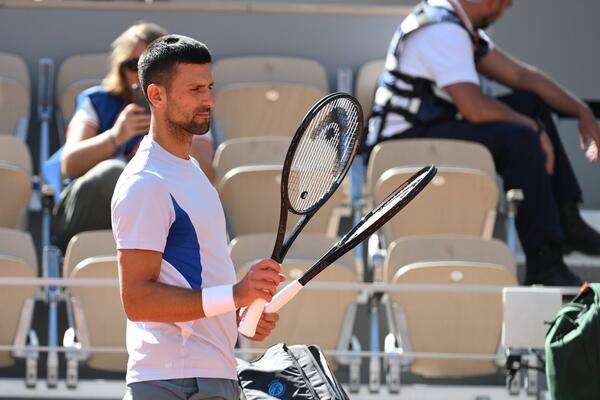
{"type": "Point", "coordinates": [363, 229]}
{"type": "Point", "coordinates": [315, 165]}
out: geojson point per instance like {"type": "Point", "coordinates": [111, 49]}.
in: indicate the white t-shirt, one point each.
{"type": "Point", "coordinates": [442, 53]}
{"type": "Point", "coordinates": [166, 204]}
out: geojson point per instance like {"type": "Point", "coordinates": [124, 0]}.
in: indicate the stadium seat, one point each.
{"type": "Point", "coordinates": [15, 95]}
{"type": "Point", "coordinates": [298, 322]}
{"type": "Point", "coordinates": [262, 109]}
{"type": "Point", "coordinates": [15, 181]}
{"type": "Point", "coordinates": [269, 69]}
{"type": "Point", "coordinates": [18, 260]}
{"type": "Point", "coordinates": [366, 84]}
{"type": "Point", "coordinates": [100, 243]}
{"type": "Point", "coordinates": [249, 151]}
{"type": "Point", "coordinates": [99, 317]}
{"type": "Point", "coordinates": [251, 198]}
{"type": "Point", "coordinates": [75, 74]}
{"type": "Point", "coordinates": [447, 322]}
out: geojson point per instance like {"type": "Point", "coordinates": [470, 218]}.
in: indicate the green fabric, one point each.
{"type": "Point", "coordinates": [573, 349]}
{"type": "Point", "coordinates": [85, 204]}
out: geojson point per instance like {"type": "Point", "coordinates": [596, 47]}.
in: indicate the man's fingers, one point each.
{"type": "Point", "coordinates": [270, 317]}
{"type": "Point", "coordinates": [267, 264]}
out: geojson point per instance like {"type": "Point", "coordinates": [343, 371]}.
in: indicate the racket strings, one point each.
{"type": "Point", "coordinates": [323, 153]}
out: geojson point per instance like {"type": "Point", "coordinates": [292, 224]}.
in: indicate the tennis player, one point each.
{"type": "Point", "coordinates": [178, 284]}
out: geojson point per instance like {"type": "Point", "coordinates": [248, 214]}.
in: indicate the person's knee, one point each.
{"type": "Point", "coordinates": [101, 179]}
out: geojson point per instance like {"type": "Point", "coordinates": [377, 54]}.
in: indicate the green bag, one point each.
{"type": "Point", "coordinates": [573, 348]}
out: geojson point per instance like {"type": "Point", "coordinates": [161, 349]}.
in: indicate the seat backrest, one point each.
{"type": "Point", "coordinates": [14, 105]}
{"type": "Point", "coordinates": [251, 198]}
{"type": "Point", "coordinates": [68, 99]}
{"type": "Point", "coordinates": [247, 249]}
{"type": "Point", "coordinates": [100, 243]}
{"type": "Point", "coordinates": [294, 70]}
{"type": "Point", "coordinates": [457, 201]}
{"type": "Point", "coordinates": [366, 84]}
{"type": "Point", "coordinates": [14, 151]}
{"type": "Point", "coordinates": [249, 151]}
{"type": "Point", "coordinates": [414, 249]}
{"type": "Point", "coordinates": [12, 297]}
{"type": "Point", "coordinates": [247, 110]}
{"type": "Point", "coordinates": [13, 66]}
{"type": "Point", "coordinates": [80, 67]}
{"type": "Point", "coordinates": [313, 316]}
{"type": "Point", "coordinates": [420, 152]}
{"type": "Point", "coordinates": [15, 192]}
{"type": "Point", "coordinates": [103, 313]}
{"type": "Point", "coordinates": [18, 244]}
{"type": "Point", "coordinates": [452, 322]}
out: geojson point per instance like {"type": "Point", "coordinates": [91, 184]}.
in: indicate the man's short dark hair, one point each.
{"type": "Point", "coordinates": [160, 58]}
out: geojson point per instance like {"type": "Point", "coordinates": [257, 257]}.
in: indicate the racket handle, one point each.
{"type": "Point", "coordinates": [250, 320]}
{"type": "Point", "coordinates": [283, 296]}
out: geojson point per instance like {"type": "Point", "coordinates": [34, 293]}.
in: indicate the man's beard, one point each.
{"type": "Point", "coordinates": [192, 127]}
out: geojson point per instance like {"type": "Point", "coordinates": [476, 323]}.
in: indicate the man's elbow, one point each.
{"type": "Point", "coordinates": [131, 308]}
{"type": "Point", "coordinates": [473, 114]}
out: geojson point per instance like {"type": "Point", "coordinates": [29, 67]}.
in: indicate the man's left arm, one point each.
{"type": "Point", "coordinates": [518, 75]}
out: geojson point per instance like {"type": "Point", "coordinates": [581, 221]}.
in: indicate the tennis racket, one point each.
{"type": "Point", "coordinates": [316, 162]}
{"type": "Point", "coordinates": [370, 223]}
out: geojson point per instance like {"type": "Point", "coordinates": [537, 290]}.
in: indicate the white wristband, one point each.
{"type": "Point", "coordinates": [217, 300]}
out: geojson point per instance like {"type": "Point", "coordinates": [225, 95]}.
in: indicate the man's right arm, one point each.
{"type": "Point", "coordinates": [146, 299]}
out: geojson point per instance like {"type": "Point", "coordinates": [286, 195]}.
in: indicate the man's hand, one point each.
{"type": "Point", "coordinates": [259, 283]}
{"type": "Point", "coordinates": [548, 150]}
{"type": "Point", "coordinates": [266, 324]}
{"type": "Point", "coordinates": [589, 134]}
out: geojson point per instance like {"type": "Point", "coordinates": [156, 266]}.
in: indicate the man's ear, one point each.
{"type": "Point", "coordinates": [155, 94]}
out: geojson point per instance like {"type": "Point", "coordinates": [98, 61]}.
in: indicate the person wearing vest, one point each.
{"type": "Point", "coordinates": [431, 89]}
{"type": "Point", "coordinates": [103, 135]}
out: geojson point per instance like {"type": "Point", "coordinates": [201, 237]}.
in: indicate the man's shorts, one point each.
{"type": "Point", "coordinates": [184, 389]}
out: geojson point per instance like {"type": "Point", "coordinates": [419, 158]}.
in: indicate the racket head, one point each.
{"type": "Point", "coordinates": [374, 220]}
{"type": "Point", "coordinates": [321, 152]}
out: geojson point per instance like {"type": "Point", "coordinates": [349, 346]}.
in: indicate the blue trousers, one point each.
{"type": "Point", "coordinates": [519, 159]}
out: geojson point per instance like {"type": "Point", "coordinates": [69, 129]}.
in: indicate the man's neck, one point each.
{"type": "Point", "coordinates": [176, 143]}
{"type": "Point", "coordinates": [470, 11]}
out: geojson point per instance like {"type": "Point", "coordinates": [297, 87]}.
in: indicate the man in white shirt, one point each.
{"type": "Point", "coordinates": [430, 89]}
{"type": "Point", "coordinates": [178, 284]}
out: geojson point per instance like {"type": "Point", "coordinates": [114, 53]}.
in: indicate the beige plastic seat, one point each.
{"type": "Point", "coordinates": [293, 70]}
{"type": "Point", "coordinates": [366, 84]}
{"type": "Point", "coordinates": [249, 151]}
{"type": "Point", "coordinates": [14, 107]}
{"type": "Point", "coordinates": [17, 260]}
{"type": "Point", "coordinates": [100, 320]}
{"type": "Point", "coordinates": [457, 201]}
{"type": "Point", "coordinates": [100, 243]}
{"type": "Point", "coordinates": [448, 322]}
{"type": "Point", "coordinates": [13, 66]}
{"type": "Point", "coordinates": [15, 182]}
{"type": "Point", "coordinates": [420, 152]}
{"type": "Point", "coordinates": [247, 110]}
{"type": "Point", "coordinates": [77, 73]}
{"type": "Point", "coordinates": [251, 197]}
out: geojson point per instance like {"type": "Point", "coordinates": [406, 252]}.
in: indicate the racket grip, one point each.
{"type": "Point", "coordinates": [283, 296]}
{"type": "Point", "coordinates": [248, 323]}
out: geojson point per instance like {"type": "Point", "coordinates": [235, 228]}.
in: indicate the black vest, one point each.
{"type": "Point", "coordinates": [427, 102]}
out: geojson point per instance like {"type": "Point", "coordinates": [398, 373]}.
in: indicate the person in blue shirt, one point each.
{"type": "Point", "coordinates": [102, 137]}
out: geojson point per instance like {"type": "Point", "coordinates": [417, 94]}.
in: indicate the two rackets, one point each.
{"type": "Point", "coordinates": [370, 223]}
{"type": "Point", "coordinates": [315, 165]}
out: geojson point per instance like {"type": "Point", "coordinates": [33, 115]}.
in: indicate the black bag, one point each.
{"type": "Point", "coordinates": [294, 372]}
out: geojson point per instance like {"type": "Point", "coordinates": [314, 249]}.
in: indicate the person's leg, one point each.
{"type": "Point", "coordinates": [216, 389]}
{"type": "Point", "coordinates": [578, 235]}
{"type": "Point", "coordinates": [168, 389]}
{"type": "Point", "coordinates": [85, 204]}
{"type": "Point", "coordinates": [519, 159]}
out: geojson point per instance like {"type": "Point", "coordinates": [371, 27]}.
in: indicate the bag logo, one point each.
{"type": "Point", "coordinates": [276, 388]}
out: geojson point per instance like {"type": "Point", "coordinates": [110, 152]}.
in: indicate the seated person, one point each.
{"type": "Point", "coordinates": [103, 135]}
{"type": "Point", "coordinates": [430, 89]}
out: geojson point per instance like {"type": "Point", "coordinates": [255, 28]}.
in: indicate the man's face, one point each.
{"type": "Point", "coordinates": [190, 98]}
{"type": "Point", "coordinates": [493, 9]}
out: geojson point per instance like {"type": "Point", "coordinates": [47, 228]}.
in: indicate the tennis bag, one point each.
{"type": "Point", "coordinates": [289, 372]}
{"type": "Point", "coordinates": [573, 348]}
